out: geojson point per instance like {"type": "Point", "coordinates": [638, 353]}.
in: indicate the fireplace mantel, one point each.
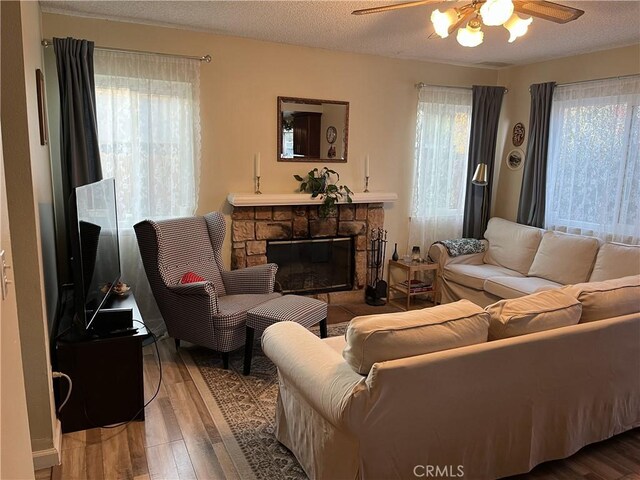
{"type": "Point", "coordinates": [258, 220]}
{"type": "Point", "coordinates": [278, 199]}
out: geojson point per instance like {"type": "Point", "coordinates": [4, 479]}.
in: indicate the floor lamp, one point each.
{"type": "Point", "coordinates": [480, 179]}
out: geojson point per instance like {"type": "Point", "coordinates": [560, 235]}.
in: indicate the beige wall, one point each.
{"type": "Point", "coordinates": [27, 176]}
{"type": "Point", "coordinates": [15, 441]}
{"type": "Point", "coordinates": [238, 96]}
{"type": "Point", "coordinates": [603, 64]}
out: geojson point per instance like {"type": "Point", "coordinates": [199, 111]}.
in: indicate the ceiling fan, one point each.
{"type": "Point", "coordinates": [487, 12]}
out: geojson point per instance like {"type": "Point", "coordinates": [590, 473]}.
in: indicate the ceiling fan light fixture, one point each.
{"type": "Point", "coordinates": [496, 12]}
{"type": "Point", "coordinates": [492, 13]}
{"type": "Point", "coordinates": [471, 35]}
{"type": "Point", "coordinates": [443, 20]}
{"type": "Point", "coordinates": [517, 26]}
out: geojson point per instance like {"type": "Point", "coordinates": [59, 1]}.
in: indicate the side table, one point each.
{"type": "Point", "coordinates": [411, 270]}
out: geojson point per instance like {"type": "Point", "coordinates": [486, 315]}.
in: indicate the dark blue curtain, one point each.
{"type": "Point", "coordinates": [78, 123]}
{"type": "Point", "coordinates": [534, 179]}
{"type": "Point", "coordinates": [487, 102]}
{"type": "Point", "coordinates": [79, 149]}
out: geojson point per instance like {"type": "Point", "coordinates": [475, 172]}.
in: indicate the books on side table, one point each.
{"type": "Point", "coordinates": [417, 286]}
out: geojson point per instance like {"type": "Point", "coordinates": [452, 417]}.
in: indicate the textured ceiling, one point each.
{"type": "Point", "coordinates": [400, 33]}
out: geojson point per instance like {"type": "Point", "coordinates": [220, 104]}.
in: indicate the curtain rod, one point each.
{"type": "Point", "coordinates": [619, 77]}
{"type": "Point", "coordinates": [205, 58]}
{"type": "Point", "coordinates": [422, 84]}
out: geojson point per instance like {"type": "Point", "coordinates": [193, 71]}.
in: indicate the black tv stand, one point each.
{"type": "Point", "coordinates": [112, 319]}
{"type": "Point", "coordinates": [106, 371]}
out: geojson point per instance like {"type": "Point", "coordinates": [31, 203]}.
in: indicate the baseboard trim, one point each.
{"type": "Point", "coordinates": [49, 456]}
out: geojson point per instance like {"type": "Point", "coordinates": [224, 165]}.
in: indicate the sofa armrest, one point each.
{"type": "Point", "coordinates": [313, 369]}
{"type": "Point", "coordinates": [257, 279]}
{"type": "Point", "coordinates": [439, 255]}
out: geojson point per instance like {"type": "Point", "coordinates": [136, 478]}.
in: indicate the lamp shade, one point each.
{"type": "Point", "coordinates": [496, 12]}
{"type": "Point", "coordinates": [471, 35]}
{"type": "Point", "coordinates": [480, 176]}
{"type": "Point", "coordinates": [443, 20]}
{"type": "Point", "coordinates": [517, 26]}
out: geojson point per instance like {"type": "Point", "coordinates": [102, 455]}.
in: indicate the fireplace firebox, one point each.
{"type": "Point", "coordinates": [313, 265]}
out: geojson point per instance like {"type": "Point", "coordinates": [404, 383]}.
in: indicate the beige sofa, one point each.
{"type": "Point", "coordinates": [520, 260]}
{"type": "Point", "coordinates": [481, 409]}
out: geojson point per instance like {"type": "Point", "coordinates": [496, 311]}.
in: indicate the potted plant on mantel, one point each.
{"type": "Point", "coordinates": [320, 183]}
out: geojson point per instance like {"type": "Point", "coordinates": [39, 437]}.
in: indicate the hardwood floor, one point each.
{"type": "Point", "coordinates": [179, 440]}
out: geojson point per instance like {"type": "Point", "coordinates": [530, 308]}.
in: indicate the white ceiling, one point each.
{"type": "Point", "coordinates": [400, 33]}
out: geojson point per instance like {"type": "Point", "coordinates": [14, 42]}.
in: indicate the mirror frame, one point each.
{"type": "Point", "coordinates": [312, 101]}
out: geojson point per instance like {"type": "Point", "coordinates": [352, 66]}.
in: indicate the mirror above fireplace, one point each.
{"type": "Point", "coordinates": [311, 130]}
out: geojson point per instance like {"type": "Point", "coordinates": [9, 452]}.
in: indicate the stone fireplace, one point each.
{"type": "Point", "coordinates": [313, 265]}
{"type": "Point", "coordinates": [255, 226]}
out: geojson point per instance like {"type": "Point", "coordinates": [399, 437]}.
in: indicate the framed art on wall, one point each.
{"type": "Point", "coordinates": [42, 109]}
{"type": "Point", "coordinates": [515, 159]}
{"type": "Point", "coordinates": [518, 134]}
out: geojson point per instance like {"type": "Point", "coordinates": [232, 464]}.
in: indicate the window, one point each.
{"type": "Point", "coordinates": [148, 110]}
{"type": "Point", "coordinates": [149, 132]}
{"type": "Point", "coordinates": [593, 172]}
{"type": "Point", "coordinates": [441, 153]}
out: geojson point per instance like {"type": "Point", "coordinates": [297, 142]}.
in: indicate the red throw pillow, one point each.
{"type": "Point", "coordinates": [191, 277]}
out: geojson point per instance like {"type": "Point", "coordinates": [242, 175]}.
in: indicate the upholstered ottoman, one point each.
{"type": "Point", "coordinates": [288, 308]}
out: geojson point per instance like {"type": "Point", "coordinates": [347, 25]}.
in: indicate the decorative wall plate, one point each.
{"type": "Point", "coordinates": [515, 159]}
{"type": "Point", "coordinates": [518, 134]}
{"type": "Point", "coordinates": [332, 134]}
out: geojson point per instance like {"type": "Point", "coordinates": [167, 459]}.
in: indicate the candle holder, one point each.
{"type": "Point", "coordinates": [258, 185]}
{"type": "Point", "coordinates": [366, 184]}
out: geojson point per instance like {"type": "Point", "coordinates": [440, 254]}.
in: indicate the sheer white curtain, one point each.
{"type": "Point", "coordinates": [148, 109]}
{"type": "Point", "coordinates": [442, 142]}
{"type": "Point", "coordinates": [593, 172]}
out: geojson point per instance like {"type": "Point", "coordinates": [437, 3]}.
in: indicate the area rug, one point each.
{"type": "Point", "coordinates": [243, 408]}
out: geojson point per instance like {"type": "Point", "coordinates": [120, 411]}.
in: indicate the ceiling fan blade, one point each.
{"type": "Point", "coordinates": [553, 12]}
{"type": "Point", "coordinates": [397, 6]}
{"type": "Point", "coordinates": [465, 13]}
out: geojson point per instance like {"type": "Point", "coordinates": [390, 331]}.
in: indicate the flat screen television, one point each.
{"type": "Point", "coordinates": [97, 253]}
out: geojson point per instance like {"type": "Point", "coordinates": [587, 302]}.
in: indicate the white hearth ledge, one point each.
{"type": "Point", "coordinates": [276, 199]}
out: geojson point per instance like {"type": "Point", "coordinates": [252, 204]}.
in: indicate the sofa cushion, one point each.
{"type": "Point", "coordinates": [607, 299]}
{"type": "Point", "coordinates": [474, 276]}
{"type": "Point", "coordinates": [564, 258]}
{"type": "Point", "coordinates": [511, 245]}
{"type": "Point", "coordinates": [378, 338]}
{"type": "Point", "coordinates": [514, 287]}
{"type": "Point", "coordinates": [615, 260]}
{"type": "Point", "coordinates": [533, 313]}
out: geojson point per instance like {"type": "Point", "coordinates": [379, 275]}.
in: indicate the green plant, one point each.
{"type": "Point", "coordinates": [319, 183]}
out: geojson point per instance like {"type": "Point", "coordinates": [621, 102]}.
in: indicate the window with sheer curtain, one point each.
{"type": "Point", "coordinates": [148, 110]}
{"type": "Point", "coordinates": [440, 169]}
{"type": "Point", "coordinates": [593, 173]}
{"type": "Point", "coordinates": [149, 132]}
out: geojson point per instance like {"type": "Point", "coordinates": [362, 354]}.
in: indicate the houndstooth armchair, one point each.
{"type": "Point", "coordinates": [210, 313]}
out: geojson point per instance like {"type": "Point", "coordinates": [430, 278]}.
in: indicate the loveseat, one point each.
{"type": "Point", "coordinates": [520, 260]}
{"type": "Point", "coordinates": [370, 405]}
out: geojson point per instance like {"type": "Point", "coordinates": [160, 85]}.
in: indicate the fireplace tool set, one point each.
{"type": "Point", "coordinates": [376, 291]}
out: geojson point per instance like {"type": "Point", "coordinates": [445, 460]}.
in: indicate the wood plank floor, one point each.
{"type": "Point", "coordinates": [179, 440]}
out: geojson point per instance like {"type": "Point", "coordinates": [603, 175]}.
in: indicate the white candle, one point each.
{"type": "Point", "coordinates": [256, 162]}
{"type": "Point", "coordinates": [366, 165]}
